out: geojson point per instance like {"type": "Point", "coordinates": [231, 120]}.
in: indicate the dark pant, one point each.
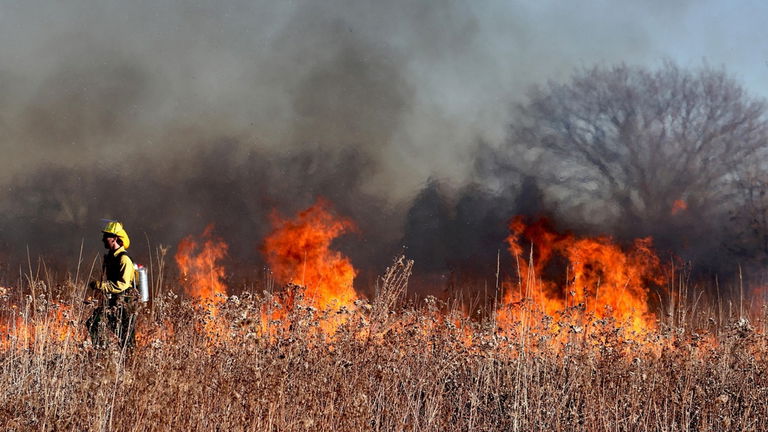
{"type": "Point", "coordinates": [118, 316]}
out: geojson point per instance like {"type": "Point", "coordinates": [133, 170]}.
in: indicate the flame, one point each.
{"type": "Point", "coordinates": [299, 252]}
{"type": "Point", "coordinates": [602, 279]}
{"type": "Point", "coordinates": [199, 264]}
{"type": "Point", "coordinates": [22, 330]}
{"type": "Point", "coordinates": [679, 206]}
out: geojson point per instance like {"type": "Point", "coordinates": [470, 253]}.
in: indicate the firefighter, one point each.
{"type": "Point", "coordinates": [116, 283]}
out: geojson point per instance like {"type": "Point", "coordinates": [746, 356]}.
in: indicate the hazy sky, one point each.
{"type": "Point", "coordinates": [414, 84]}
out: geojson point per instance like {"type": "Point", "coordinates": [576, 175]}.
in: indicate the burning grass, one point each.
{"type": "Point", "coordinates": [384, 368]}
{"type": "Point", "coordinates": [590, 353]}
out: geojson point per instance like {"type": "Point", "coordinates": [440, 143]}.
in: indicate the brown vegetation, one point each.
{"type": "Point", "coordinates": [385, 368]}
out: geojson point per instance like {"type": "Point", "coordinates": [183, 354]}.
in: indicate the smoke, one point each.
{"type": "Point", "coordinates": [603, 153]}
{"type": "Point", "coordinates": [414, 84]}
{"type": "Point", "coordinates": [170, 115]}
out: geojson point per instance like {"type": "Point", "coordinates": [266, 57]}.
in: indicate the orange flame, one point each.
{"type": "Point", "coordinates": [603, 279]}
{"type": "Point", "coordinates": [299, 252]}
{"type": "Point", "coordinates": [199, 265]}
{"type": "Point", "coordinates": [55, 324]}
{"type": "Point", "coordinates": [679, 206]}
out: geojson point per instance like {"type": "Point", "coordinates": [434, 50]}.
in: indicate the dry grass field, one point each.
{"type": "Point", "coordinates": [601, 350]}
{"type": "Point", "coordinates": [267, 362]}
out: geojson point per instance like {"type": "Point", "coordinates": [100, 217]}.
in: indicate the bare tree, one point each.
{"type": "Point", "coordinates": [749, 220]}
{"type": "Point", "coordinates": [643, 143]}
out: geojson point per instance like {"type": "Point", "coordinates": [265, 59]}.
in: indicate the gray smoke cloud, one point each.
{"type": "Point", "coordinates": [171, 114]}
{"type": "Point", "coordinates": [412, 83]}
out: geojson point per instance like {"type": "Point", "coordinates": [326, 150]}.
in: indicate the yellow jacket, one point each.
{"type": "Point", "coordinates": [117, 272]}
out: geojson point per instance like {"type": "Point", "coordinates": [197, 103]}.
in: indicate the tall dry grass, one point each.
{"type": "Point", "coordinates": [387, 368]}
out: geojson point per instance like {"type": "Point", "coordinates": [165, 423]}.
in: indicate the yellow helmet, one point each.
{"type": "Point", "coordinates": [116, 228]}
